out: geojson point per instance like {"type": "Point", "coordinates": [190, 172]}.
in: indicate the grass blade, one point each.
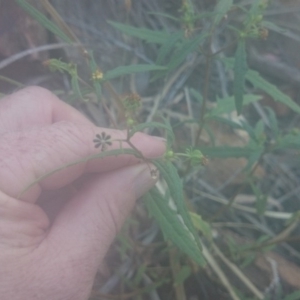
{"type": "Point", "coordinates": [38, 16]}
{"type": "Point", "coordinates": [124, 70]}
{"type": "Point", "coordinates": [240, 70]}
{"type": "Point", "coordinates": [221, 10]}
{"type": "Point", "coordinates": [168, 46]}
{"type": "Point", "coordinates": [262, 84]}
{"type": "Point", "coordinates": [150, 36]}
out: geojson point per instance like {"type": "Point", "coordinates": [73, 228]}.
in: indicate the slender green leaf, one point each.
{"type": "Point", "coordinates": [240, 70]}
{"type": "Point", "coordinates": [171, 225]}
{"type": "Point", "coordinates": [150, 36]}
{"type": "Point", "coordinates": [273, 122]}
{"type": "Point", "coordinates": [273, 27]}
{"type": "Point", "coordinates": [170, 175]}
{"type": "Point", "coordinates": [254, 157]}
{"type": "Point", "coordinates": [227, 105]}
{"type": "Point", "coordinates": [225, 151]}
{"type": "Point", "coordinates": [221, 10]}
{"type": "Point", "coordinates": [186, 48]}
{"type": "Point", "coordinates": [37, 15]}
{"type": "Point", "coordinates": [260, 83]}
{"type": "Point", "coordinates": [124, 70]}
{"type": "Point", "coordinates": [164, 15]}
{"type": "Point", "coordinates": [168, 46]}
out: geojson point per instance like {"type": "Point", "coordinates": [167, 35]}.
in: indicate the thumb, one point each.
{"type": "Point", "coordinates": [87, 225]}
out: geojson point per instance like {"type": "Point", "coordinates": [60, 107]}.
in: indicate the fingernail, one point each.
{"type": "Point", "coordinates": [145, 178]}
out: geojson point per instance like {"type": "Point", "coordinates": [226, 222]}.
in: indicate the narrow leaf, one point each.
{"type": "Point", "coordinates": [38, 16]}
{"type": "Point", "coordinates": [221, 10]}
{"type": "Point", "coordinates": [171, 225]}
{"type": "Point", "coordinates": [150, 36]}
{"type": "Point", "coordinates": [226, 152]}
{"type": "Point", "coordinates": [274, 27]}
{"type": "Point", "coordinates": [186, 48]}
{"type": "Point", "coordinates": [240, 70]}
{"type": "Point", "coordinates": [170, 175]}
{"type": "Point", "coordinates": [168, 46]}
{"type": "Point", "coordinates": [273, 121]}
{"type": "Point", "coordinates": [254, 157]}
{"type": "Point", "coordinates": [260, 83]}
{"type": "Point", "coordinates": [163, 15]}
{"type": "Point", "coordinates": [124, 70]}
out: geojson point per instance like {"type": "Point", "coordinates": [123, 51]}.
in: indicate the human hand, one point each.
{"type": "Point", "coordinates": [53, 239]}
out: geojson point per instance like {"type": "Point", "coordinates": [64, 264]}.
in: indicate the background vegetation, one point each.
{"type": "Point", "coordinates": [220, 80]}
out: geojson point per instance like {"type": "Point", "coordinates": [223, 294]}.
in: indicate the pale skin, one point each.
{"type": "Point", "coordinates": [55, 236]}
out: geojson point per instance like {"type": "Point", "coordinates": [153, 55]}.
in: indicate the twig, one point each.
{"type": "Point", "coordinates": [4, 63]}
{"type": "Point", "coordinates": [218, 270]}
{"type": "Point", "coordinates": [271, 214]}
{"type": "Point", "coordinates": [238, 272]}
{"type": "Point", "coordinates": [190, 111]}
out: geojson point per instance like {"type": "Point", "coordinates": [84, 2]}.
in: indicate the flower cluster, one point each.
{"type": "Point", "coordinates": [196, 157]}
{"type": "Point", "coordinates": [132, 103]}
{"type": "Point", "coordinates": [97, 75]}
{"type": "Point", "coordinates": [253, 24]}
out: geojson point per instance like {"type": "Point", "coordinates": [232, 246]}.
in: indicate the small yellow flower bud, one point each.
{"type": "Point", "coordinates": [97, 75]}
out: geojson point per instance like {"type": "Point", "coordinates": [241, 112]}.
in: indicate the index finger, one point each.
{"type": "Point", "coordinates": [25, 156]}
